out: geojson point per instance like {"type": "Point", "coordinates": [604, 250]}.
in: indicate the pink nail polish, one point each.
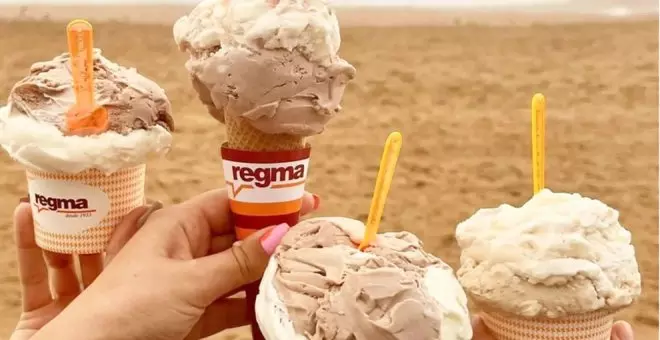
{"type": "Point", "coordinates": [271, 239]}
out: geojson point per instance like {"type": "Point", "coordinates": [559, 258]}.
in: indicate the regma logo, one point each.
{"type": "Point", "coordinates": [60, 204]}
{"type": "Point", "coordinates": [264, 177]}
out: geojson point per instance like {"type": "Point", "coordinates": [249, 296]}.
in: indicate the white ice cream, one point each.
{"type": "Point", "coordinates": [43, 147]}
{"type": "Point", "coordinates": [440, 282]}
{"type": "Point", "coordinates": [557, 254]}
{"type": "Point", "coordinates": [308, 25]}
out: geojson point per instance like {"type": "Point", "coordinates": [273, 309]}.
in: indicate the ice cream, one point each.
{"type": "Point", "coordinates": [33, 125]}
{"type": "Point", "coordinates": [559, 256]}
{"type": "Point", "coordinates": [81, 187]}
{"type": "Point", "coordinates": [269, 70]}
{"type": "Point", "coordinates": [319, 286]}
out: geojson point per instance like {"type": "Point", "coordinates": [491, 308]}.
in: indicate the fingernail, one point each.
{"type": "Point", "coordinates": [25, 199]}
{"type": "Point", "coordinates": [152, 208]}
{"type": "Point", "coordinates": [271, 239]}
{"type": "Point", "coordinates": [317, 201]}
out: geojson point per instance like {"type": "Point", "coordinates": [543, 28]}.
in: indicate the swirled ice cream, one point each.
{"type": "Point", "coordinates": [319, 286]}
{"type": "Point", "coordinates": [274, 64]}
{"type": "Point", "coordinates": [33, 124]}
{"type": "Point", "coordinates": [557, 255]}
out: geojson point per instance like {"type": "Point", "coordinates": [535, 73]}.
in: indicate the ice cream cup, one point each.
{"type": "Point", "coordinates": [85, 170]}
{"type": "Point", "coordinates": [595, 325]}
{"type": "Point", "coordinates": [77, 213]}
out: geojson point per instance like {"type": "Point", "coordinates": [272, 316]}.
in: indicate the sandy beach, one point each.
{"type": "Point", "coordinates": [459, 93]}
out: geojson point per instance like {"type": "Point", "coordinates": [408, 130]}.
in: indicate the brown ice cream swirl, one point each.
{"type": "Point", "coordinates": [276, 91]}
{"type": "Point", "coordinates": [332, 291]}
{"type": "Point", "coordinates": [133, 102]}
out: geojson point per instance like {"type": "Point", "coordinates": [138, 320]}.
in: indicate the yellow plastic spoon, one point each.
{"type": "Point", "coordinates": [383, 183]}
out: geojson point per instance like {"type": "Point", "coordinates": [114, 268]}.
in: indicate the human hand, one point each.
{"type": "Point", "coordinates": [621, 330]}
{"type": "Point", "coordinates": [172, 278]}
{"type": "Point", "coordinates": [37, 267]}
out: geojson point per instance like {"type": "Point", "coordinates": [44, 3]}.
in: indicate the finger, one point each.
{"type": "Point", "coordinates": [128, 227]}
{"type": "Point", "coordinates": [217, 275]}
{"type": "Point", "coordinates": [222, 243]}
{"type": "Point", "coordinates": [214, 207]}
{"type": "Point", "coordinates": [224, 314]}
{"type": "Point", "coordinates": [310, 203]}
{"type": "Point", "coordinates": [622, 330]}
{"type": "Point", "coordinates": [479, 330]}
{"type": "Point", "coordinates": [90, 267]}
{"type": "Point", "coordinates": [32, 270]}
{"type": "Point", "coordinates": [64, 280]}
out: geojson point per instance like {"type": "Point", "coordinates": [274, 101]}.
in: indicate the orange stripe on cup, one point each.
{"type": "Point", "coordinates": [265, 209]}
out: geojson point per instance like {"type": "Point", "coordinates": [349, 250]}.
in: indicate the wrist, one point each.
{"type": "Point", "coordinates": [83, 319]}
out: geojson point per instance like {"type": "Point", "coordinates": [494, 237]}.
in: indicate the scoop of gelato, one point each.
{"type": "Point", "coordinates": [132, 101]}
{"type": "Point", "coordinates": [320, 286]}
{"type": "Point", "coordinates": [33, 126]}
{"type": "Point", "coordinates": [557, 255]}
{"type": "Point", "coordinates": [274, 65]}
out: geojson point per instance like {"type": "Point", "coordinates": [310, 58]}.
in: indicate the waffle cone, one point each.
{"type": "Point", "coordinates": [242, 136]}
{"type": "Point", "coordinates": [590, 326]}
{"type": "Point", "coordinates": [124, 190]}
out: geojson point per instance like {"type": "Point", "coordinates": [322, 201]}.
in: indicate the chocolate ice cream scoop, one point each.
{"type": "Point", "coordinates": [133, 102]}
{"type": "Point", "coordinates": [274, 65]}
{"type": "Point", "coordinates": [319, 286]}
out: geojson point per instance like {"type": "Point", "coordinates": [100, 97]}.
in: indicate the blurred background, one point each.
{"type": "Point", "coordinates": [456, 77]}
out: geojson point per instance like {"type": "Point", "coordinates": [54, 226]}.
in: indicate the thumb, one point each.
{"type": "Point", "coordinates": [128, 227]}
{"type": "Point", "coordinates": [479, 330]}
{"type": "Point", "coordinates": [242, 264]}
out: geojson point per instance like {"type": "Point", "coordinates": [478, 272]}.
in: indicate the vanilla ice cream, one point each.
{"type": "Point", "coordinates": [319, 286]}
{"type": "Point", "coordinates": [557, 255]}
{"type": "Point", "coordinates": [274, 65]}
{"type": "Point", "coordinates": [33, 124]}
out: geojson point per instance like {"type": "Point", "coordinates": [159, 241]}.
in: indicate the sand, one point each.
{"type": "Point", "coordinates": [459, 95]}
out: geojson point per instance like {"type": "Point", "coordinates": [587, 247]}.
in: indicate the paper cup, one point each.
{"type": "Point", "coordinates": [76, 213]}
{"type": "Point", "coordinates": [265, 187]}
{"type": "Point", "coordinates": [591, 326]}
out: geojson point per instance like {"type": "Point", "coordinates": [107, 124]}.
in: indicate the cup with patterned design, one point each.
{"type": "Point", "coordinates": [85, 159]}
{"type": "Point", "coordinates": [76, 213]}
{"type": "Point", "coordinates": [589, 326]}
{"type": "Point", "coordinates": [555, 268]}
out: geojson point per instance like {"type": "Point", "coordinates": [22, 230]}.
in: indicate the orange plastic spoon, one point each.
{"type": "Point", "coordinates": [84, 118]}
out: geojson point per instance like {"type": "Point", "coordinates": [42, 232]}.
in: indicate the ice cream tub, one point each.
{"type": "Point", "coordinates": [265, 187]}
{"type": "Point", "coordinates": [81, 185]}
{"type": "Point", "coordinates": [77, 213]}
{"type": "Point", "coordinates": [589, 326]}
{"type": "Point", "coordinates": [555, 268]}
